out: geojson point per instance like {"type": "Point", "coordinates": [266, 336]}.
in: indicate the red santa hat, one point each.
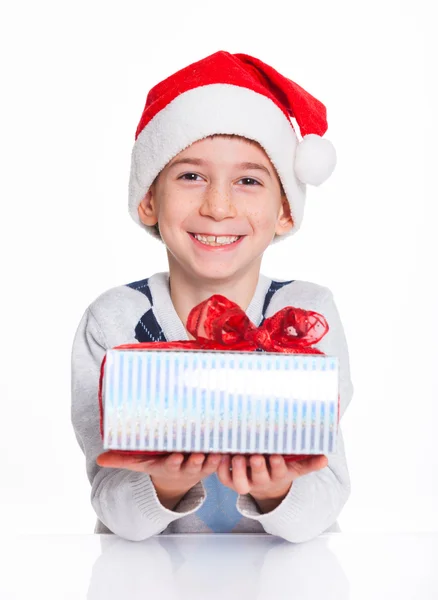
{"type": "Point", "coordinates": [233, 94]}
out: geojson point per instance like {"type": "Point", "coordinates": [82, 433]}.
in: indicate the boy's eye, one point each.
{"type": "Point", "coordinates": [250, 179]}
{"type": "Point", "coordinates": [186, 174]}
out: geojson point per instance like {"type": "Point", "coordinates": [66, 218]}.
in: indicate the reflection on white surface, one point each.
{"type": "Point", "coordinates": [222, 567]}
{"type": "Point", "coordinates": [334, 566]}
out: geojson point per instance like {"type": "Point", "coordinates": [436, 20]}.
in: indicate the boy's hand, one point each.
{"type": "Point", "coordinates": [172, 475]}
{"type": "Point", "coordinates": [268, 485]}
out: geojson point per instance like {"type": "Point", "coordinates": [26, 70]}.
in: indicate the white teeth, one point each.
{"type": "Point", "coordinates": [216, 240]}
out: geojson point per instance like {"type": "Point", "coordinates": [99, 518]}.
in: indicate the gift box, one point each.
{"type": "Point", "coordinates": [213, 401]}
{"type": "Point", "coordinates": [236, 388]}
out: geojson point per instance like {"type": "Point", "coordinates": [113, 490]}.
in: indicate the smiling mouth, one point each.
{"type": "Point", "coordinates": [216, 240]}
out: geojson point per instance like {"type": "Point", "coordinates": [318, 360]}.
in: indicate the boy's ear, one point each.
{"type": "Point", "coordinates": [284, 221]}
{"type": "Point", "coordinates": [147, 209]}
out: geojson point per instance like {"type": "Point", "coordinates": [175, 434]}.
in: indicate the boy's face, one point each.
{"type": "Point", "coordinates": [216, 216]}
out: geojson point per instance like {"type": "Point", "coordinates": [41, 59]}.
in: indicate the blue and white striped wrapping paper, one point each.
{"type": "Point", "coordinates": [214, 401]}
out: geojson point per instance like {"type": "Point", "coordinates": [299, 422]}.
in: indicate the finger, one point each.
{"type": "Point", "coordinates": [120, 460]}
{"type": "Point", "coordinates": [240, 475]}
{"type": "Point", "coordinates": [172, 463]}
{"type": "Point", "coordinates": [278, 467]}
{"type": "Point", "coordinates": [194, 463]}
{"type": "Point", "coordinates": [259, 472]}
{"type": "Point", "coordinates": [308, 465]}
{"type": "Point", "coordinates": [211, 464]}
{"type": "Point", "coordinates": [224, 473]}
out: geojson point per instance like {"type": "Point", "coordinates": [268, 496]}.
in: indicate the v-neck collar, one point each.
{"type": "Point", "coordinates": [168, 319]}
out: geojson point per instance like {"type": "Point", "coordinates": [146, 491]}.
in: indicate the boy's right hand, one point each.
{"type": "Point", "coordinates": [172, 475]}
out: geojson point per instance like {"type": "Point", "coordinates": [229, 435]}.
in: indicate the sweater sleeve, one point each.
{"type": "Point", "coordinates": [125, 501]}
{"type": "Point", "coordinates": [314, 501]}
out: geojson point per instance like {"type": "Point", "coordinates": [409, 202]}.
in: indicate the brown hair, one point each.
{"type": "Point", "coordinates": [228, 136]}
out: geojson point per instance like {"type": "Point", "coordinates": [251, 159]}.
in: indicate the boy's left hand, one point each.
{"type": "Point", "coordinates": [267, 479]}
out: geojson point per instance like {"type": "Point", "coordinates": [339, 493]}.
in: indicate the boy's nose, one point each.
{"type": "Point", "coordinates": [218, 205]}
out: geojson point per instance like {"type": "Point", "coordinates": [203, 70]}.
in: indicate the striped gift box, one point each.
{"type": "Point", "coordinates": [214, 401]}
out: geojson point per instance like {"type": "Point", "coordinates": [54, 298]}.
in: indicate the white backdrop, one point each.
{"type": "Point", "coordinates": [75, 76]}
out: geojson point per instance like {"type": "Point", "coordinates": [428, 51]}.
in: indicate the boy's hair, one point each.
{"type": "Point", "coordinates": [229, 136]}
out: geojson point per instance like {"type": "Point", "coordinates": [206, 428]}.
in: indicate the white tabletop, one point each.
{"type": "Point", "coordinates": [335, 566]}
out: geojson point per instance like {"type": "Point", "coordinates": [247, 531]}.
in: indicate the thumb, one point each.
{"type": "Point", "coordinates": [308, 465]}
{"type": "Point", "coordinates": [120, 460]}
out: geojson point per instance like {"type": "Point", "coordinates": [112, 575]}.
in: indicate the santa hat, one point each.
{"type": "Point", "coordinates": [233, 94]}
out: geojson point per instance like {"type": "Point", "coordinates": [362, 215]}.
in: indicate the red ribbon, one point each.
{"type": "Point", "coordinates": [220, 324]}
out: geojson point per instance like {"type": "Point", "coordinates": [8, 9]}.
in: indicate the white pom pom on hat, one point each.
{"type": "Point", "coordinates": [315, 159]}
{"type": "Point", "coordinates": [233, 94]}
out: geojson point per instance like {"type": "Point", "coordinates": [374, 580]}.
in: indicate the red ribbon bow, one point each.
{"type": "Point", "coordinates": [220, 324]}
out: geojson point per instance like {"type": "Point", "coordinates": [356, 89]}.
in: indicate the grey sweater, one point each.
{"type": "Point", "coordinates": [124, 501]}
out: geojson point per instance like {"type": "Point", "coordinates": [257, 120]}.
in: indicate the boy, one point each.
{"type": "Point", "coordinates": [204, 130]}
